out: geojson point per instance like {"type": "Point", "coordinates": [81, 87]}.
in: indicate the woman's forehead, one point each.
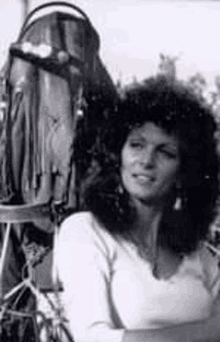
{"type": "Point", "coordinates": [150, 130]}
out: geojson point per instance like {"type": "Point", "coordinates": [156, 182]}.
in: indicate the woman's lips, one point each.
{"type": "Point", "coordinates": [144, 178]}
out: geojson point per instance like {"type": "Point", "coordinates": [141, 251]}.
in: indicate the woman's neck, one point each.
{"type": "Point", "coordinates": [147, 222]}
{"type": "Point", "coordinates": [145, 235]}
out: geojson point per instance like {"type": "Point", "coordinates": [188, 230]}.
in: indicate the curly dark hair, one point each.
{"type": "Point", "coordinates": [175, 109]}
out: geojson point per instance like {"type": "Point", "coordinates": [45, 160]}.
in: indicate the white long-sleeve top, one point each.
{"type": "Point", "coordinates": [109, 288]}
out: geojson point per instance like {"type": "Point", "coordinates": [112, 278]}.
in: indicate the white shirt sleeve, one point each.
{"type": "Point", "coordinates": [211, 270]}
{"type": "Point", "coordinates": [84, 270]}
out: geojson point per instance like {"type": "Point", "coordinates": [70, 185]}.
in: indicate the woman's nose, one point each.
{"type": "Point", "coordinates": [148, 157]}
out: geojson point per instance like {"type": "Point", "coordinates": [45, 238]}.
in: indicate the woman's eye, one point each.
{"type": "Point", "coordinates": [169, 154]}
{"type": "Point", "coordinates": [136, 145]}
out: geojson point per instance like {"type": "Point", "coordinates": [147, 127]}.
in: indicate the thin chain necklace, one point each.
{"type": "Point", "coordinates": [147, 250]}
{"type": "Point", "coordinates": [163, 264]}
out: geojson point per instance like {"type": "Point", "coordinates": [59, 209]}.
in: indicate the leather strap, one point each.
{"type": "Point", "coordinates": [24, 213]}
{"type": "Point", "coordinates": [52, 63]}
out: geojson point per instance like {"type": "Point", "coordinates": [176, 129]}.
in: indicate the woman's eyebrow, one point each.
{"type": "Point", "coordinates": [136, 136]}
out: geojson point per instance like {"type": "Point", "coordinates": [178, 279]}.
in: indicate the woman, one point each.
{"type": "Point", "coordinates": [134, 265]}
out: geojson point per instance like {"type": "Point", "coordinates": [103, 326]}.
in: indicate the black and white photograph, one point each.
{"type": "Point", "coordinates": [109, 171]}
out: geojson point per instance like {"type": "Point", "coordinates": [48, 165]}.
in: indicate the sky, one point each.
{"type": "Point", "coordinates": [134, 32]}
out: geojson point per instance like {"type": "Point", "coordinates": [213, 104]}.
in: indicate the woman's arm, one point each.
{"type": "Point", "coordinates": [83, 266]}
{"type": "Point", "coordinates": [205, 331]}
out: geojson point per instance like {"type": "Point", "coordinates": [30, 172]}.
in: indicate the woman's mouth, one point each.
{"type": "Point", "coordinates": [144, 178]}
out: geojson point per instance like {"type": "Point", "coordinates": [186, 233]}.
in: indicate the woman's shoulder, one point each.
{"type": "Point", "coordinates": [210, 263]}
{"type": "Point", "coordinates": [83, 228]}
{"type": "Point", "coordinates": [84, 222]}
{"type": "Point", "coordinates": [78, 218]}
{"type": "Point", "coordinates": [208, 255]}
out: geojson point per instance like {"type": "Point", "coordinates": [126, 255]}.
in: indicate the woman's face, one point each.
{"type": "Point", "coordinates": [149, 164]}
